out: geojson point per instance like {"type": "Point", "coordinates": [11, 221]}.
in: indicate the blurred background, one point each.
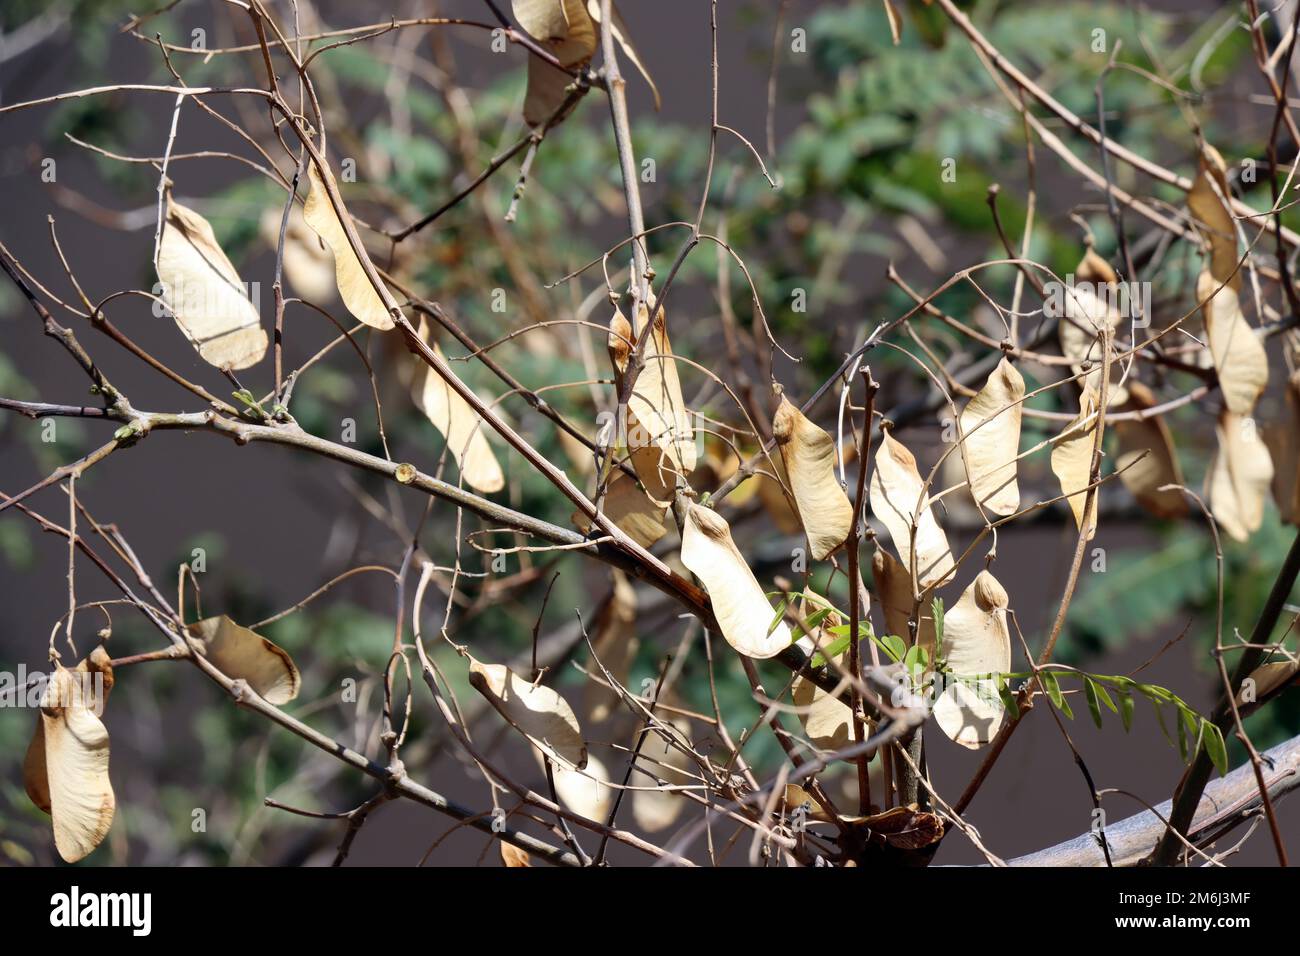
{"type": "Point", "coordinates": [855, 127]}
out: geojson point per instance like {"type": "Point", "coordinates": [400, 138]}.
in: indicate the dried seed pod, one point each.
{"type": "Point", "coordinates": [615, 645]}
{"type": "Point", "coordinates": [1265, 679]}
{"type": "Point", "coordinates": [95, 677]}
{"type": "Point", "coordinates": [1208, 202]}
{"type": "Point", "coordinates": [748, 622]}
{"type": "Point", "coordinates": [245, 655]}
{"type": "Point", "coordinates": [1086, 321]}
{"type": "Point", "coordinates": [624, 39]}
{"type": "Point", "coordinates": [1072, 461]}
{"type": "Point", "coordinates": [894, 591]}
{"type": "Point", "coordinates": [1094, 269]}
{"type": "Point", "coordinates": [355, 288]}
{"type": "Point", "coordinates": [205, 294]}
{"type": "Point", "coordinates": [66, 768]}
{"type": "Point", "coordinates": [1146, 461]}
{"type": "Point", "coordinates": [308, 262]}
{"type": "Point", "coordinates": [992, 449]}
{"type": "Point", "coordinates": [827, 720]}
{"type": "Point", "coordinates": [567, 30]}
{"type": "Point", "coordinates": [659, 435]}
{"type": "Point", "coordinates": [976, 642]}
{"type": "Point", "coordinates": [536, 711]}
{"type": "Point", "coordinates": [1239, 356]}
{"type": "Point", "coordinates": [775, 502]}
{"type": "Point", "coordinates": [512, 856]}
{"type": "Point", "coordinates": [808, 454]}
{"type": "Point", "coordinates": [459, 424]}
{"type": "Point", "coordinates": [655, 810]}
{"type": "Point", "coordinates": [629, 507]}
{"type": "Point", "coordinates": [1239, 477]}
{"type": "Point", "coordinates": [586, 791]}
{"type": "Point", "coordinates": [899, 499]}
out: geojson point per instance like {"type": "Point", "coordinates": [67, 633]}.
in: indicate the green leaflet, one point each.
{"type": "Point", "coordinates": [1094, 702]}
{"type": "Point", "coordinates": [1215, 746]}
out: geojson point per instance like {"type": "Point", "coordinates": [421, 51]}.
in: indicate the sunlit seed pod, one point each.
{"type": "Point", "coordinates": [205, 294]}
{"type": "Point", "coordinates": [747, 619]}
{"type": "Point", "coordinates": [899, 499]}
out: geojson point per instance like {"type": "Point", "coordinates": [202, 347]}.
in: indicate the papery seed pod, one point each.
{"type": "Point", "coordinates": [245, 655]}
{"type": "Point", "coordinates": [355, 288]}
{"type": "Point", "coordinates": [808, 453]}
{"type": "Point", "coordinates": [1239, 356]}
{"type": "Point", "coordinates": [1146, 460]}
{"type": "Point", "coordinates": [536, 711]}
{"type": "Point", "coordinates": [1208, 202]}
{"type": "Point", "coordinates": [655, 810]}
{"type": "Point", "coordinates": [1072, 462]}
{"type": "Point", "coordinates": [976, 642]}
{"type": "Point", "coordinates": [1240, 477]}
{"type": "Point", "coordinates": [459, 424]}
{"type": "Point", "coordinates": [205, 294]}
{"type": "Point", "coordinates": [990, 426]}
{"type": "Point", "coordinates": [899, 499]}
{"type": "Point", "coordinates": [308, 262]}
{"type": "Point", "coordinates": [747, 620]}
{"type": "Point", "coordinates": [66, 769]}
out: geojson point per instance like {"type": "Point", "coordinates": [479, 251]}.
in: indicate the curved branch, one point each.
{"type": "Point", "coordinates": [1225, 803]}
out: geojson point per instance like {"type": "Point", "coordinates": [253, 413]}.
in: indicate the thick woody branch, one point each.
{"type": "Point", "coordinates": [1225, 804]}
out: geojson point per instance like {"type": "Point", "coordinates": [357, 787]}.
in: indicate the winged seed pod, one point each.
{"type": "Point", "coordinates": [580, 456]}
{"type": "Point", "coordinates": [96, 673]}
{"type": "Point", "coordinates": [896, 493]}
{"type": "Point", "coordinates": [739, 604]}
{"type": "Point", "coordinates": [774, 500]}
{"type": "Point", "coordinates": [629, 507]}
{"type": "Point", "coordinates": [975, 642]}
{"type": "Point", "coordinates": [465, 432]}
{"type": "Point", "coordinates": [1094, 269]}
{"type": "Point", "coordinates": [354, 287]}
{"type": "Point", "coordinates": [1265, 679]}
{"type": "Point", "coordinates": [245, 655]}
{"type": "Point", "coordinates": [307, 262]}
{"type": "Point", "coordinates": [660, 439]}
{"type": "Point", "coordinates": [624, 39]}
{"type": "Point", "coordinates": [512, 856]}
{"type": "Point", "coordinates": [566, 29]}
{"type": "Point", "coordinates": [586, 791]}
{"type": "Point", "coordinates": [614, 645]}
{"type": "Point", "coordinates": [1208, 202]}
{"type": "Point", "coordinates": [894, 590]}
{"type": "Point", "coordinates": [991, 451]}
{"type": "Point", "coordinates": [1239, 477]}
{"type": "Point", "coordinates": [204, 292]}
{"type": "Point", "coordinates": [1239, 355]}
{"type": "Point", "coordinates": [655, 810]}
{"type": "Point", "coordinates": [545, 19]}
{"type": "Point", "coordinates": [1086, 316]}
{"type": "Point", "coordinates": [1146, 460]}
{"type": "Point", "coordinates": [809, 457]}
{"type": "Point", "coordinates": [536, 711]}
{"type": "Point", "coordinates": [1072, 460]}
{"type": "Point", "coordinates": [827, 720]}
{"type": "Point", "coordinates": [66, 768]}
{"type": "Point", "coordinates": [36, 780]}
